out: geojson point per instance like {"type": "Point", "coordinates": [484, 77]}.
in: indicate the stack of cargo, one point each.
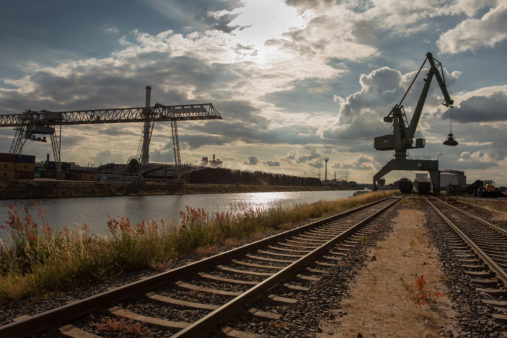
{"type": "Point", "coordinates": [25, 167]}
{"type": "Point", "coordinates": [7, 166]}
{"type": "Point", "coordinates": [17, 166]}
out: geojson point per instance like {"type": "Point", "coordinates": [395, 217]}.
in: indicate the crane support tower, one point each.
{"type": "Point", "coordinates": [30, 124]}
{"type": "Point", "coordinates": [402, 137]}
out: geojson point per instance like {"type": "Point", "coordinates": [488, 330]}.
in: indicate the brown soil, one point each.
{"type": "Point", "coordinates": [381, 302]}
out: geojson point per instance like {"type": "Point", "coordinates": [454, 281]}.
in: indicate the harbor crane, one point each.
{"type": "Point", "coordinates": [402, 137]}
{"type": "Point", "coordinates": [30, 124]}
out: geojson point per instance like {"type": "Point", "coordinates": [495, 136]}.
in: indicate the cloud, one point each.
{"type": "Point", "coordinates": [252, 160]}
{"type": "Point", "coordinates": [272, 163]}
{"type": "Point", "coordinates": [472, 34]}
{"type": "Point", "coordinates": [198, 15]}
{"type": "Point", "coordinates": [359, 163]}
{"type": "Point", "coordinates": [196, 141]}
{"type": "Point", "coordinates": [313, 159]}
{"type": "Point", "coordinates": [360, 116]}
{"type": "Point", "coordinates": [479, 108]}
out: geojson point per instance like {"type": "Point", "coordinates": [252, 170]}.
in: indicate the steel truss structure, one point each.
{"type": "Point", "coordinates": [31, 123]}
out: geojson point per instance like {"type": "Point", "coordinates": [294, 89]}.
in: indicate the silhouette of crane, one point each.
{"type": "Point", "coordinates": [30, 124]}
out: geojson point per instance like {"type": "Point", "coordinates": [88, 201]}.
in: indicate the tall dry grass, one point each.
{"type": "Point", "coordinates": [41, 261]}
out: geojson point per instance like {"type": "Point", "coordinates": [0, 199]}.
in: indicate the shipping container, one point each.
{"type": "Point", "coordinates": [25, 159]}
{"type": "Point", "coordinates": [25, 166]}
{"type": "Point", "coordinates": [24, 175]}
{"type": "Point", "coordinates": [8, 166]}
{"type": "Point", "coordinates": [7, 174]}
{"type": "Point", "coordinates": [4, 157]}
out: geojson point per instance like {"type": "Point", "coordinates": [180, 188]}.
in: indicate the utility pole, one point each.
{"type": "Point", "coordinates": [325, 172]}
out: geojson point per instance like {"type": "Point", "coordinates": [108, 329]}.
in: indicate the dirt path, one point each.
{"type": "Point", "coordinates": [382, 303]}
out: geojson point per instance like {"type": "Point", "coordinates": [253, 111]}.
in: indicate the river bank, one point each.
{"type": "Point", "coordinates": [31, 189]}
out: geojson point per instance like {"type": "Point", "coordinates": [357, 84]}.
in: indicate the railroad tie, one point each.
{"type": "Point", "coordinates": [323, 272]}
{"type": "Point", "coordinates": [227, 280]}
{"type": "Point", "coordinates": [264, 314]}
{"type": "Point", "coordinates": [296, 287]}
{"type": "Point", "coordinates": [180, 302]}
{"type": "Point", "coordinates": [117, 311]}
{"type": "Point", "coordinates": [253, 265]}
{"type": "Point", "coordinates": [308, 278]}
{"type": "Point", "coordinates": [247, 272]}
{"type": "Point", "coordinates": [281, 299]}
{"type": "Point", "coordinates": [75, 332]}
{"type": "Point", "coordinates": [193, 287]}
{"type": "Point", "coordinates": [230, 332]}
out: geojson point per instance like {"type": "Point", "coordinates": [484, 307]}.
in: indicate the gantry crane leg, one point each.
{"type": "Point", "coordinates": [176, 144]}
{"type": "Point", "coordinates": [415, 165]}
{"type": "Point", "coordinates": [19, 141]}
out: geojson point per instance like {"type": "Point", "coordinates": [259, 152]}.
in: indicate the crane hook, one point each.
{"type": "Point", "coordinates": [450, 141]}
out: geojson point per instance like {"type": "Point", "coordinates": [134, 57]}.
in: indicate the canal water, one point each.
{"type": "Point", "coordinates": [74, 212]}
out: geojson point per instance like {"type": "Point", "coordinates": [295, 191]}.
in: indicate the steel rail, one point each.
{"type": "Point", "coordinates": [203, 326]}
{"type": "Point", "coordinates": [500, 273]}
{"type": "Point", "coordinates": [492, 226]}
{"type": "Point", "coordinates": [464, 201]}
{"type": "Point", "coordinates": [60, 315]}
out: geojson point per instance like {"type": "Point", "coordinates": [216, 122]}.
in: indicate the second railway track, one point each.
{"type": "Point", "coordinates": [194, 299]}
{"type": "Point", "coordinates": [481, 250]}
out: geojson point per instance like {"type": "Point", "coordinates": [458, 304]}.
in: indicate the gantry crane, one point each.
{"type": "Point", "coordinates": [402, 137]}
{"type": "Point", "coordinates": [30, 124]}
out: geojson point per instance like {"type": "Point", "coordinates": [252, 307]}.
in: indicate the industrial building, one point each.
{"type": "Point", "coordinates": [452, 177]}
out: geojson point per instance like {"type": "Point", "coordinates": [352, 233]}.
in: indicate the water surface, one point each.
{"type": "Point", "coordinates": [74, 212]}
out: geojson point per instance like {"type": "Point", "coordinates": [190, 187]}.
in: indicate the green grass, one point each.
{"type": "Point", "coordinates": [41, 262]}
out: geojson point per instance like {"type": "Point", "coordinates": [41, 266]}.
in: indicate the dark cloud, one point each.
{"type": "Point", "coordinates": [104, 86]}
{"type": "Point", "coordinates": [196, 14]}
{"type": "Point", "coordinates": [306, 4]}
{"type": "Point", "coordinates": [491, 108]}
{"type": "Point", "coordinates": [242, 111]}
{"type": "Point", "coordinates": [107, 156]}
{"type": "Point", "coordinates": [252, 160]}
{"type": "Point", "coordinates": [253, 133]}
{"type": "Point", "coordinates": [197, 141]}
{"type": "Point", "coordinates": [272, 163]}
{"type": "Point", "coordinates": [163, 155]}
{"type": "Point", "coordinates": [306, 96]}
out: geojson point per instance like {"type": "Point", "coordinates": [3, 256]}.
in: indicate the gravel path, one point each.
{"type": "Point", "coordinates": [382, 295]}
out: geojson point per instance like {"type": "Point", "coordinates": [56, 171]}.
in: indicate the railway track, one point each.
{"type": "Point", "coordinates": [481, 249]}
{"type": "Point", "coordinates": [493, 216]}
{"type": "Point", "coordinates": [195, 299]}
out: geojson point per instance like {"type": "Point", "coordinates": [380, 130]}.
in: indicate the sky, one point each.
{"type": "Point", "coordinates": [296, 81]}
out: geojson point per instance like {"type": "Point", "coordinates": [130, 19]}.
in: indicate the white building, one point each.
{"type": "Point", "coordinates": [453, 177]}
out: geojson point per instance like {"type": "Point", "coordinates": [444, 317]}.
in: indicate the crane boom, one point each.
{"type": "Point", "coordinates": [436, 71]}
{"type": "Point", "coordinates": [159, 112]}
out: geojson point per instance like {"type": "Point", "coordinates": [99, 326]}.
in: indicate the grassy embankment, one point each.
{"type": "Point", "coordinates": [498, 205]}
{"type": "Point", "coordinates": [41, 261]}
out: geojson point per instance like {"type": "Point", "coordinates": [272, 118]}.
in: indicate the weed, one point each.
{"type": "Point", "coordinates": [364, 240]}
{"type": "Point", "coordinates": [40, 261]}
{"type": "Point", "coordinates": [418, 294]}
{"type": "Point", "coordinates": [122, 326]}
